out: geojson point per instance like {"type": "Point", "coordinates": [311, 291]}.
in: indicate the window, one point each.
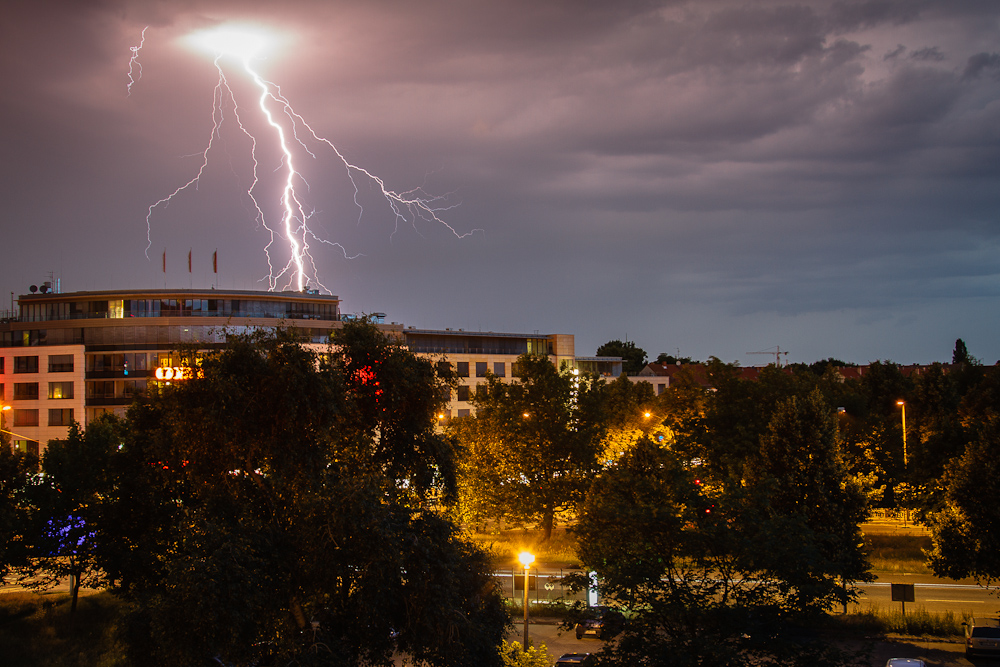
{"type": "Point", "coordinates": [25, 391]}
{"type": "Point", "coordinates": [515, 369]}
{"type": "Point", "coordinates": [464, 412]}
{"type": "Point", "coordinates": [60, 363]}
{"type": "Point", "coordinates": [60, 390]}
{"type": "Point", "coordinates": [443, 367]}
{"type": "Point", "coordinates": [132, 387]}
{"type": "Point", "coordinates": [463, 392]}
{"type": "Point", "coordinates": [463, 369]}
{"type": "Point", "coordinates": [25, 417]}
{"type": "Point", "coordinates": [1, 364]}
{"type": "Point", "coordinates": [61, 417]}
{"type": "Point", "coordinates": [101, 389]}
{"type": "Point", "coordinates": [480, 391]}
{"type": "Point", "coordinates": [29, 446]}
{"type": "Point", "coordinates": [26, 364]}
{"type": "Point", "coordinates": [481, 369]}
{"type": "Point", "coordinates": [499, 369]}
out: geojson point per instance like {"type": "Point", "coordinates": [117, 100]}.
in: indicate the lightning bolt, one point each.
{"type": "Point", "coordinates": [291, 132]}
{"type": "Point", "coordinates": [133, 62]}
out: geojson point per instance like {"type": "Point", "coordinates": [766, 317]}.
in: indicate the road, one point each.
{"type": "Point", "coordinates": [933, 596]}
{"type": "Point", "coordinates": [934, 653]}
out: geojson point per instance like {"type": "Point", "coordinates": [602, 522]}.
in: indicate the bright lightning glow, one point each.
{"type": "Point", "coordinates": [243, 42]}
{"type": "Point", "coordinates": [133, 62]}
{"type": "Point", "coordinates": [291, 132]}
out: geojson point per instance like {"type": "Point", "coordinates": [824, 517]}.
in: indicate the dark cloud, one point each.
{"type": "Point", "coordinates": [717, 176]}
{"type": "Point", "coordinates": [929, 54]}
{"type": "Point", "coordinates": [981, 62]}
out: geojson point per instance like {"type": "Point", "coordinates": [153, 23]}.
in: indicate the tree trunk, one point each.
{"type": "Point", "coordinates": [74, 591]}
{"type": "Point", "coordinates": [548, 519]}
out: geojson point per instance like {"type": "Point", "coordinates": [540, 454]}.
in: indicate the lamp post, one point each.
{"type": "Point", "coordinates": [901, 403]}
{"type": "Point", "coordinates": [526, 559]}
{"type": "Point", "coordinates": [3, 408]}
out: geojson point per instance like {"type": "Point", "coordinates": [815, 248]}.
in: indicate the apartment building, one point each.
{"type": "Point", "coordinates": [73, 356]}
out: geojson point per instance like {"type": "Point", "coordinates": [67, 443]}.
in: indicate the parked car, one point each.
{"type": "Point", "coordinates": [982, 637]}
{"type": "Point", "coordinates": [601, 624]}
{"type": "Point", "coordinates": [576, 659]}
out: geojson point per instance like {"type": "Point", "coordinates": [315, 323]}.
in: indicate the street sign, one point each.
{"type": "Point", "coordinates": [902, 593]}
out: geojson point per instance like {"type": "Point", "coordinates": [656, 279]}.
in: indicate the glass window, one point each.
{"type": "Point", "coordinates": [443, 367]}
{"type": "Point", "coordinates": [463, 369]}
{"type": "Point", "coordinates": [515, 369]}
{"type": "Point", "coordinates": [463, 412]}
{"type": "Point", "coordinates": [132, 387]}
{"type": "Point", "coordinates": [29, 446]}
{"type": "Point", "coordinates": [463, 392]}
{"type": "Point", "coordinates": [61, 417]}
{"type": "Point", "coordinates": [499, 369]}
{"type": "Point", "coordinates": [481, 369]}
{"type": "Point", "coordinates": [24, 417]}
{"type": "Point", "coordinates": [26, 364]}
{"type": "Point", "coordinates": [25, 391]}
{"type": "Point", "coordinates": [60, 390]}
{"type": "Point", "coordinates": [60, 363]}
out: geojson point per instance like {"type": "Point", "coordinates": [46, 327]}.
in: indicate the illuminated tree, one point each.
{"type": "Point", "coordinates": [66, 507]}
{"type": "Point", "coordinates": [533, 447]}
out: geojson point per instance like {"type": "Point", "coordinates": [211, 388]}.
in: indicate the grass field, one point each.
{"type": "Point", "coordinates": [37, 629]}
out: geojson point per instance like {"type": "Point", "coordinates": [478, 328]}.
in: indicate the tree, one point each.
{"type": "Point", "coordinates": [801, 480]}
{"type": "Point", "coordinates": [532, 448]}
{"type": "Point", "coordinates": [16, 471]}
{"type": "Point", "coordinates": [961, 355]}
{"type": "Point", "coordinates": [633, 358]}
{"type": "Point", "coordinates": [703, 565]}
{"type": "Point", "coordinates": [664, 358]}
{"type": "Point", "coordinates": [66, 502]}
{"type": "Point", "coordinates": [966, 532]}
{"type": "Point", "coordinates": [281, 497]}
{"type": "Point", "coordinates": [632, 413]}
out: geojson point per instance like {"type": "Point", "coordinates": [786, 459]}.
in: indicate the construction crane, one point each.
{"type": "Point", "coordinates": [777, 352]}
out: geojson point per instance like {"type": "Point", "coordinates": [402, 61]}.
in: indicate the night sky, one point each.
{"type": "Point", "coordinates": [708, 178]}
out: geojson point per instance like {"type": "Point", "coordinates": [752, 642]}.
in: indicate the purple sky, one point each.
{"type": "Point", "coordinates": [710, 177]}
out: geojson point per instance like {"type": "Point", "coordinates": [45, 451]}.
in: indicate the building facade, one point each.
{"type": "Point", "coordinates": [68, 357]}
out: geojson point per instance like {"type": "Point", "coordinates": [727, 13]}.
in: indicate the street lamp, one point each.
{"type": "Point", "coordinates": [901, 403]}
{"type": "Point", "coordinates": [4, 408]}
{"type": "Point", "coordinates": [526, 558]}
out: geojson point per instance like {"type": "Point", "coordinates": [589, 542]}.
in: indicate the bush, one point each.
{"type": "Point", "coordinates": [515, 656]}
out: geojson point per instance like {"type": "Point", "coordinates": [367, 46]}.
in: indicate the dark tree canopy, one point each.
{"type": "Point", "coordinates": [961, 354]}
{"type": "Point", "coordinates": [281, 490]}
{"type": "Point", "coordinates": [664, 358]}
{"type": "Point", "coordinates": [633, 358]}
{"type": "Point", "coordinates": [16, 470]}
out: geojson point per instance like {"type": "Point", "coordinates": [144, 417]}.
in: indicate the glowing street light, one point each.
{"type": "Point", "coordinates": [526, 558]}
{"type": "Point", "coordinates": [3, 408]}
{"type": "Point", "coordinates": [901, 403]}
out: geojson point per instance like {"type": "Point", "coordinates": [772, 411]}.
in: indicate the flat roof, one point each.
{"type": "Point", "coordinates": [459, 332]}
{"type": "Point", "coordinates": [182, 293]}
